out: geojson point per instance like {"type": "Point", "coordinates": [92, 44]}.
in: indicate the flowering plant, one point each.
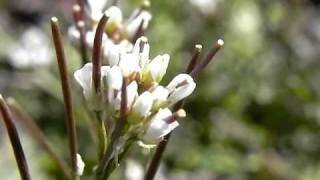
{"type": "Point", "coordinates": [122, 89]}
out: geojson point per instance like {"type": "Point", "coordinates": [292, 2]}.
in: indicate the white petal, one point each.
{"type": "Point", "coordinates": [160, 93]}
{"type": "Point", "coordinates": [132, 93]}
{"type": "Point", "coordinates": [105, 70]}
{"type": "Point", "coordinates": [134, 24]}
{"type": "Point", "coordinates": [74, 34]}
{"type": "Point", "coordinates": [90, 38]}
{"type": "Point", "coordinates": [133, 170]}
{"type": "Point", "coordinates": [113, 51]}
{"type": "Point", "coordinates": [80, 165]}
{"type": "Point", "coordinates": [158, 67]}
{"type": "Point", "coordinates": [96, 7]}
{"type": "Point", "coordinates": [83, 77]}
{"type": "Point", "coordinates": [114, 78]}
{"type": "Point", "coordinates": [129, 63]}
{"type": "Point", "coordinates": [143, 104]}
{"type": "Point", "coordinates": [144, 55]}
{"type": "Point", "coordinates": [158, 127]}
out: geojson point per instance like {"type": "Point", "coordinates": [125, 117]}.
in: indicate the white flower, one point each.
{"type": "Point", "coordinates": [133, 170]}
{"type": "Point", "coordinates": [180, 87]}
{"type": "Point", "coordinates": [84, 78]}
{"type": "Point", "coordinates": [113, 50]}
{"type": "Point", "coordinates": [132, 93]}
{"type": "Point", "coordinates": [141, 107]}
{"type": "Point", "coordinates": [135, 20]}
{"type": "Point", "coordinates": [96, 8]}
{"type": "Point", "coordinates": [80, 165]}
{"type": "Point", "coordinates": [159, 95]}
{"type": "Point", "coordinates": [74, 36]}
{"type": "Point", "coordinates": [206, 7]}
{"type": "Point", "coordinates": [158, 127]}
{"type": "Point", "coordinates": [32, 50]}
{"type": "Point", "coordinates": [156, 69]}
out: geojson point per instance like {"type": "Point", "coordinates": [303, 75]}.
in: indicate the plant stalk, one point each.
{"type": "Point", "coordinates": [15, 140]}
{"type": "Point", "coordinates": [71, 128]}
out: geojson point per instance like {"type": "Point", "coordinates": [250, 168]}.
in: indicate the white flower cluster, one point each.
{"type": "Point", "coordinates": [32, 50]}
{"type": "Point", "coordinates": [119, 33]}
{"type": "Point", "coordinates": [148, 102]}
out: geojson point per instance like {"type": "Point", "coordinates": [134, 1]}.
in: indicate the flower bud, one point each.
{"type": "Point", "coordinates": [156, 69]}
{"type": "Point", "coordinates": [142, 48]}
{"type": "Point", "coordinates": [83, 77]}
{"type": "Point", "coordinates": [134, 24]}
{"type": "Point", "coordinates": [159, 127]}
{"type": "Point", "coordinates": [141, 108]}
{"type": "Point", "coordinates": [115, 18]}
{"type": "Point", "coordinates": [180, 87]}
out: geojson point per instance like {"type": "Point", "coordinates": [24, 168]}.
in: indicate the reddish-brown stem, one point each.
{"type": "Point", "coordinates": [97, 52]}
{"type": "Point", "coordinates": [15, 140]}
{"type": "Point", "coordinates": [37, 134]}
{"type": "Point", "coordinates": [71, 128]}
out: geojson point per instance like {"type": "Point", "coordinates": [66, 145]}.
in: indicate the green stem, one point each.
{"type": "Point", "coordinates": [102, 135]}
{"type": "Point", "coordinates": [113, 164]}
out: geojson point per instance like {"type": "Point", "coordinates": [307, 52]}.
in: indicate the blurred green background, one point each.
{"type": "Point", "coordinates": [256, 110]}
